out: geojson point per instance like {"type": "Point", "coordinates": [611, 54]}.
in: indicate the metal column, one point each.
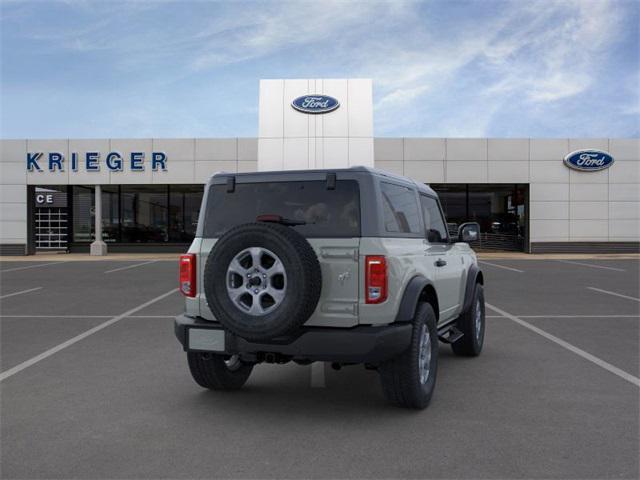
{"type": "Point", "coordinates": [98, 247]}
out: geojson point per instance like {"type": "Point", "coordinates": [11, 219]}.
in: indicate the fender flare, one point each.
{"type": "Point", "coordinates": [410, 298]}
{"type": "Point", "coordinates": [473, 276]}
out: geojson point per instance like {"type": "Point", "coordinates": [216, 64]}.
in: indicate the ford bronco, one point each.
{"type": "Point", "coordinates": [348, 266]}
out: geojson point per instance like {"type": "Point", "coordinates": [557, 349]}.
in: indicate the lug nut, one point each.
{"type": "Point", "coordinates": [255, 291]}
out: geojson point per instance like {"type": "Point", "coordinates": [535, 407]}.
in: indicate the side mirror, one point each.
{"type": "Point", "coordinates": [469, 232]}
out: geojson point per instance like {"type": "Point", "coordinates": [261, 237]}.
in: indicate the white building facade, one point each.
{"type": "Point", "coordinates": [521, 191]}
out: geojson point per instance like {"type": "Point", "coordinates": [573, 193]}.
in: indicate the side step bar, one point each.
{"type": "Point", "coordinates": [450, 334]}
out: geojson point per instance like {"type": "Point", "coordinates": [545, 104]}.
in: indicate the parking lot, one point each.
{"type": "Point", "coordinates": [95, 385]}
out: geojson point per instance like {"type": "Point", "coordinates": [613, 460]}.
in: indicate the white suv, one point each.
{"type": "Point", "coordinates": [343, 266]}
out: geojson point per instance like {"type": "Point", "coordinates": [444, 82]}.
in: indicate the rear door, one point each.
{"type": "Point", "coordinates": [338, 304]}
{"type": "Point", "coordinates": [448, 267]}
{"type": "Point", "coordinates": [328, 216]}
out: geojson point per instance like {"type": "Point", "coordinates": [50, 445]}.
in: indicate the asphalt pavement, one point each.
{"type": "Point", "coordinates": [95, 385]}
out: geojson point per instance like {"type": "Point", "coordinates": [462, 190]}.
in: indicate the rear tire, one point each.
{"type": "Point", "coordinates": [218, 372]}
{"type": "Point", "coordinates": [409, 379]}
{"type": "Point", "coordinates": [472, 325]}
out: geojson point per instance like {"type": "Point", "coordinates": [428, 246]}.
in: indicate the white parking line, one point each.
{"type": "Point", "coordinates": [32, 361]}
{"type": "Point", "coordinates": [57, 316]}
{"type": "Point", "coordinates": [317, 375]}
{"type": "Point", "coordinates": [566, 316]}
{"type": "Point", "coordinates": [131, 266]}
{"type": "Point", "coordinates": [501, 266]}
{"type": "Point", "coordinates": [578, 316]}
{"type": "Point", "coordinates": [20, 292]}
{"type": "Point", "coordinates": [32, 266]}
{"type": "Point", "coordinates": [85, 316]}
{"type": "Point", "coordinates": [613, 293]}
{"type": "Point", "coordinates": [592, 266]}
{"type": "Point", "coordinates": [592, 358]}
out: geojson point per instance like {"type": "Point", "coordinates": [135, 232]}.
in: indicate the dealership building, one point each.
{"type": "Point", "coordinates": [528, 194]}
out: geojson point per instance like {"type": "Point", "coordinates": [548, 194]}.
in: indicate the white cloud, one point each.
{"type": "Point", "coordinates": [536, 53]}
{"type": "Point", "coordinates": [402, 96]}
{"type": "Point", "coordinates": [253, 33]}
{"type": "Point", "coordinates": [554, 57]}
{"type": "Point", "coordinates": [434, 73]}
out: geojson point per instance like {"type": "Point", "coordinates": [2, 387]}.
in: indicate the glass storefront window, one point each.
{"type": "Point", "coordinates": [110, 213]}
{"type": "Point", "coordinates": [184, 207]}
{"type": "Point", "coordinates": [169, 213]}
{"type": "Point", "coordinates": [495, 209]}
{"type": "Point", "coordinates": [453, 199]}
{"type": "Point", "coordinates": [83, 199]}
{"type": "Point", "coordinates": [138, 213]}
{"type": "Point", "coordinates": [500, 209]}
{"type": "Point", "coordinates": [144, 213]}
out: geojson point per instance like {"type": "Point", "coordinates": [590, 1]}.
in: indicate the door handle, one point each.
{"type": "Point", "coordinates": [440, 263]}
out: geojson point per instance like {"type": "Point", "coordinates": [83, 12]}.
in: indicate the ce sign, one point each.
{"type": "Point", "coordinates": [44, 198]}
{"type": "Point", "coordinates": [51, 199]}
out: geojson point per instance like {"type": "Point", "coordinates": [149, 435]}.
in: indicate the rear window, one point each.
{"type": "Point", "coordinates": [327, 213]}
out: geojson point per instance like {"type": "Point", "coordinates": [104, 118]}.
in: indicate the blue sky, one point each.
{"type": "Point", "coordinates": [92, 69]}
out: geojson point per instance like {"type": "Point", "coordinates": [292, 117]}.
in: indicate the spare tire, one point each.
{"type": "Point", "coordinates": [262, 280]}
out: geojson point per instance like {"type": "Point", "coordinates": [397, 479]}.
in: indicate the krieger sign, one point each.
{"type": "Point", "coordinates": [92, 161]}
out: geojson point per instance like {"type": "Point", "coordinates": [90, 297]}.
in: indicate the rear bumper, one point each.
{"type": "Point", "coordinates": [361, 344]}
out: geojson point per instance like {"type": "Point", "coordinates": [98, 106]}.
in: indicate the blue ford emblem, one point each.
{"type": "Point", "coordinates": [315, 104]}
{"type": "Point", "coordinates": [588, 160]}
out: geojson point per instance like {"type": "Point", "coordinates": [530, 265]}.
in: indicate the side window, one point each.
{"type": "Point", "coordinates": [433, 221]}
{"type": "Point", "coordinates": [401, 213]}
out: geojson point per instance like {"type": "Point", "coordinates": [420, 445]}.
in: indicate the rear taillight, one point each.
{"type": "Point", "coordinates": [375, 279]}
{"type": "Point", "coordinates": [188, 274]}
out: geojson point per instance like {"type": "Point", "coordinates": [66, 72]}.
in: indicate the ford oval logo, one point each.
{"type": "Point", "coordinates": [315, 104]}
{"type": "Point", "coordinates": [588, 160]}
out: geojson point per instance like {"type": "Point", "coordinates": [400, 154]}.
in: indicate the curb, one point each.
{"type": "Point", "coordinates": [124, 257]}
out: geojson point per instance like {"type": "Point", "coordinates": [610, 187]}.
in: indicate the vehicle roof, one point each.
{"type": "Point", "coordinates": [314, 172]}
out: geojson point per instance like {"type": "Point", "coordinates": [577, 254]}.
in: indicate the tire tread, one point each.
{"type": "Point", "coordinates": [467, 346]}
{"type": "Point", "coordinates": [212, 373]}
{"type": "Point", "coordinates": [399, 377]}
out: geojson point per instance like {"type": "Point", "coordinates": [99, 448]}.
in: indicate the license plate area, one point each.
{"type": "Point", "coordinates": [206, 340]}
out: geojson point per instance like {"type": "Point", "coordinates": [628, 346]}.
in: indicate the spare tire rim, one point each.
{"type": "Point", "coordinates": [256, 281]}
{"type": "Point", "coordinates": [424, 356]}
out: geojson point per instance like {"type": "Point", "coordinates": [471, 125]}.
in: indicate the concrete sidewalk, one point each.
{"type": "Point", "coordinates": [556, 256]}
{"type": "Point", "coordinates": [75, 257]}
{"type": "Point", "coordinates": [85, 257]}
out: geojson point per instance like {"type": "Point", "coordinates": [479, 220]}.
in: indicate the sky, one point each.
{"type": "Point", "coordinates": [93, 69]}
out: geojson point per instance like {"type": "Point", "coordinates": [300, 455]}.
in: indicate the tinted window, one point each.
{"type": "Point", "coordinates": [144, 213]}
{"type": "Point", "coordinates": [184, 207]}
{"type": "Point", "coordinates": [400, 209]}
{"type": "Point", "coordinates": [327, 213]}
{"type": "Point", "coordinates": [433, 221]}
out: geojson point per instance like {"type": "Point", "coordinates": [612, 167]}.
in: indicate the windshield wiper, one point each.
{"type": "Point", "coordinates": [279, 219]}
